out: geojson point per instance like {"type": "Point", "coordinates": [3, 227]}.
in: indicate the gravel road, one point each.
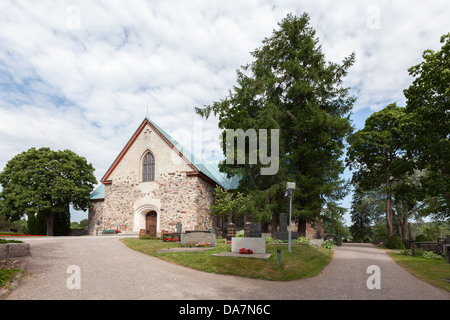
{"type": "Point", "coordinates": [108, 269]}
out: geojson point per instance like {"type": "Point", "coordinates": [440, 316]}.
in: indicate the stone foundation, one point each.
{"type": "Point", "coordinates": [10, 250]}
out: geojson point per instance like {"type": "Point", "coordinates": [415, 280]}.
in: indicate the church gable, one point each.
{"type": "Point", "coordinates": [147, 154]}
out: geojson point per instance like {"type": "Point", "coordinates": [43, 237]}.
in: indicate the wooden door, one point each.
{"type": "Point", "coordinates": [150, 223]}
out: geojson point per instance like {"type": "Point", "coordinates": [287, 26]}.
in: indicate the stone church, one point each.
{"type": "Point", "coordinates": [153, 184]}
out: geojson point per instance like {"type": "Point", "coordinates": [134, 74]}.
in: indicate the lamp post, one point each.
{"type": "Point", "coordinates": [290, 187]}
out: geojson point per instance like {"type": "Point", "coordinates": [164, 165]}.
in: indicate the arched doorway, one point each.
{"type": "Point", "coordinates": [151, 222]}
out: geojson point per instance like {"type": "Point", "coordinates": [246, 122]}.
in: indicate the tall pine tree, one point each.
{"type": "Point", "coordinates": [290, 87]}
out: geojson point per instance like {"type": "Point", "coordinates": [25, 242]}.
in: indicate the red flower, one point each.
{"type": "Point", "coordinates": [245, 251]}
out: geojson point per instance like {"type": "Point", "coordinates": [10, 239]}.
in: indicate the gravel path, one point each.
{"type": "Point", "coordinates": [110, 270]}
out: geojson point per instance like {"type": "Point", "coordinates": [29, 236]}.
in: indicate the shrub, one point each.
{"type": "Point", "coordinates": [268, 240]}
{"type": "Point", "coordinates": [394, 242]}
{"type": "Point", "coordinates": [418, 252]}
{"type": "Point", "coordinates": [327, 244]}
{"type": "Point", "coordinates": [301, 240]}
{"type": "Point", "coordinates": [407, 252]}
{"type": "Point", "coordinates": [422, 238]}
{"type": "Point", "coordinates": [430, 255]}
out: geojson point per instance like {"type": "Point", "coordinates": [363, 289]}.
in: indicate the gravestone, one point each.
{"type": "Point", "coordinates": [283, 223]}
{"type": "Point", "coordinates": [283, 232]}
{"type": "Point", "coordinates": [231, 231]}
{"type": "Point", "coordinates": [178, 227]}
{"type": "Point", "coordinates": [252, 230]}
{"type": "Point", "coordinates": [198, 237]}
{"type": "Point", "coordinates": [257, 245]}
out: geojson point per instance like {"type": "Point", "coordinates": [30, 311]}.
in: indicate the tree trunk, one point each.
{"type": "Point", "coordinates": [274, 226]}
{"type": "Point", "coordinates": [49, 222]}
{"type": "Point", "coordinates": [398, 226]}
{"type": "Point", "coordinates": [389, 215]}
{"type": "Point", "coordinates": [404, 230]}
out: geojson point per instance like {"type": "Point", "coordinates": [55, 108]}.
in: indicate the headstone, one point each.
{"type": "Point", "coordinates": [198, 237]}
{"type": "Point", "coordinates": [257, 245]}
{"type": "Point", "coordinates": [252, 230]}
{"type": "Point", "coordinates": [231, 231]}
{"type": "Point", "coordinates": [283, 223]}
{"type": "Point", "coordinates": [178, 227]}
{"type": "Point", "coordinates": [283, 233]}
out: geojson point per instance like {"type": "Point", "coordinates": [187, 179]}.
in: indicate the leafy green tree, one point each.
{"type": "Point", "coordinates": [228, 204]}
{"type": "Point", "coordinates": [366, 208]}
{"type": "Point", "coordinates": [83, 224]}
{"type": "Point", "coordinates": [45, 182]}
{"type": "Point", "coordinates": [428, 105]}
{"type": "Point", "coordinates": [379, 231]}
{"type": "Point", "coordinates": [292, 88]}
{"type": "Point", "coordinates": [333, 221]}
{"type": "Point", "coordinates": [410, 200]}
{"type": "Point", "coordinates": [377, 154]}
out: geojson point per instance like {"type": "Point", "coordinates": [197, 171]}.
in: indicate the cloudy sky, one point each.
{"type": "Point", "coordinates": [82, 75]}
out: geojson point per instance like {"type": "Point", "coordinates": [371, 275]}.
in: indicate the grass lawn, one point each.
{"type": "Point", "coordinates": [304, 261]}
{"type": "Point", "coordinates": [7, 275]}
{"type": "Point", "coordinates": [429, 270]}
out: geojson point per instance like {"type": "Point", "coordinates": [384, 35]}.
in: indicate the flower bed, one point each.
{"type": "Point", "coordinates": [171, 237]}
{"type": "Point", "coordinates": [167, 239]}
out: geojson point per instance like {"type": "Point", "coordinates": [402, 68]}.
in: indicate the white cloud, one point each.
{"type": "Point", "coordinates": [81, 74]}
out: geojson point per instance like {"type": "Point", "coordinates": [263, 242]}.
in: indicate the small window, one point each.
{"type": "Point", "coordinates": [148, 172]}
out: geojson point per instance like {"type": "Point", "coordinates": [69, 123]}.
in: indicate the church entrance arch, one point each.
{"type": "Point", "coordinates": [151, 223]}
{"type": "Point", "coordinates": [147, 217]}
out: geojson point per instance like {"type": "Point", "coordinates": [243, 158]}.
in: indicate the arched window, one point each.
{"type": "Point", "coordinates": [148, 166]}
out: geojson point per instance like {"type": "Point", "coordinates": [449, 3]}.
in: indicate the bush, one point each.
{"type": "Point", "coordinates": [327, 244]}
{"type": "Point", "coordinates": [422, 238]}
{"type": "Point", "coordinates": [407, 252]}
{"type": "Point", "coordinates": [394, 242]}
{"type": "Point", "coordinates": [268, 240]}
{"type": "Point", "coordinates": [301, 240]}
{"type": "Point", "coordinates": [431, 255]}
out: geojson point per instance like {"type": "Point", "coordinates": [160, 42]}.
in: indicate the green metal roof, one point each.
{"type": "Point", "coordinates": [209, 169]}
{"type": "Point", "coordinates": [98, 193]}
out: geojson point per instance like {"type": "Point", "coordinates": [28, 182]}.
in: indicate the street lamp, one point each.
{"type": "Point", "coordinates": [290, 187]}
